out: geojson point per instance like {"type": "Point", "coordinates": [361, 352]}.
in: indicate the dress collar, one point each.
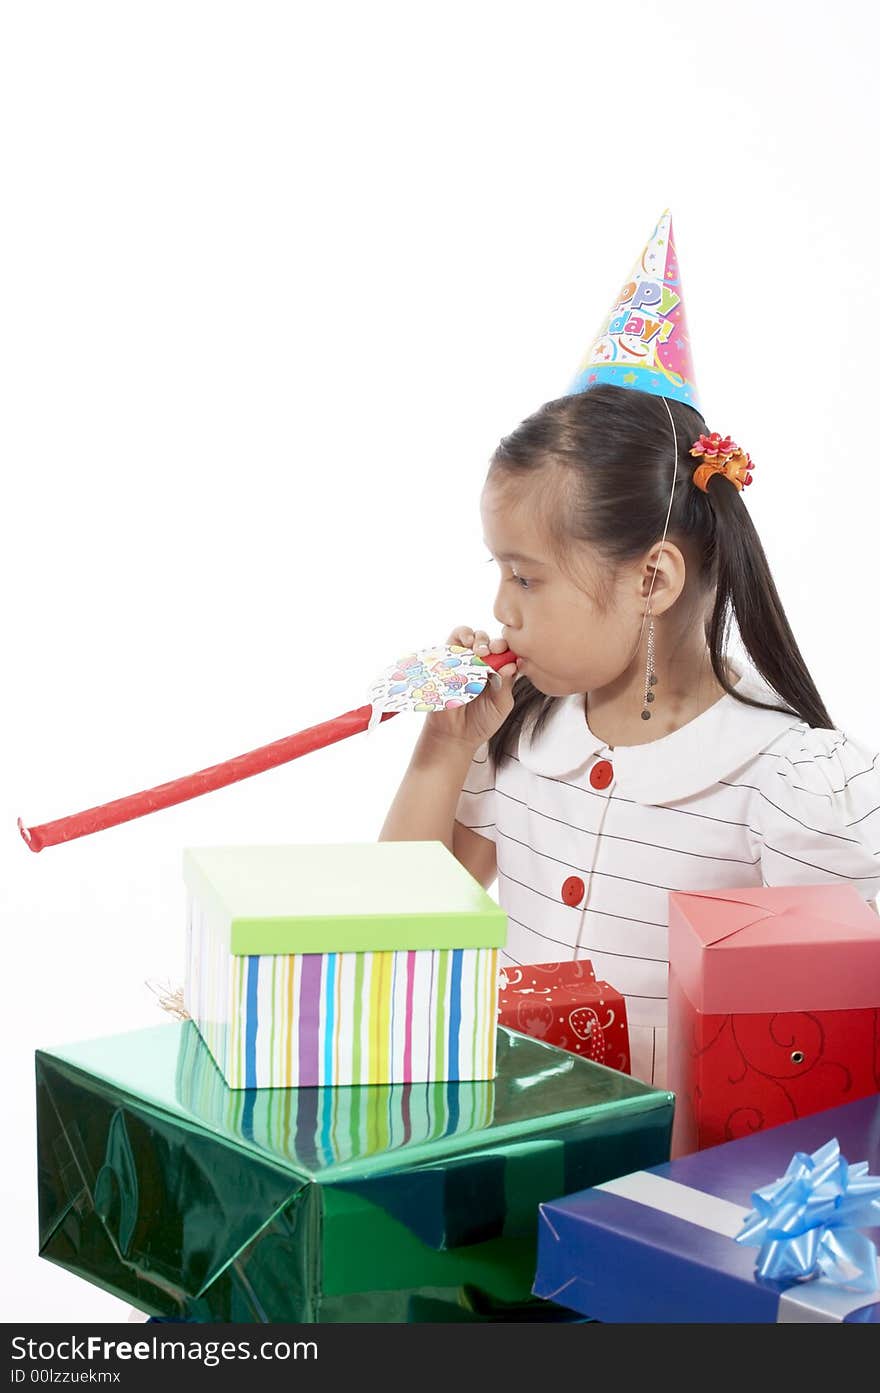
{"type": "Point", "coordinates": [676, 766]}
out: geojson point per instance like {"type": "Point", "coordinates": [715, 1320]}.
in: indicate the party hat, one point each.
{"type": "Point", "coordinates": [643, 341]}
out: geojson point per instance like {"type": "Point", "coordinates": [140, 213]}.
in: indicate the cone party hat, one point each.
{"type": "Point", "coordinates": [643, 341]}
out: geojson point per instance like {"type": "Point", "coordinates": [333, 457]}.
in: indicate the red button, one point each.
{"type": "Point", "coordinates": [573, 890]}
{"type": "Point", "coordinates": [601, 774]}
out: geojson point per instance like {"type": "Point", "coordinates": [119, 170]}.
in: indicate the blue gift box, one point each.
{"type": "Point", "coordinates": [658, 1245]}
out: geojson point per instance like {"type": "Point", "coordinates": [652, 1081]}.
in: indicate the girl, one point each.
{"type": "Point", "coordinates": [624, 755]}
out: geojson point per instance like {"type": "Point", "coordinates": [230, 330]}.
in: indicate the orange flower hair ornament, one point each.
{"type": "Point", "coordinates": [721, 457]}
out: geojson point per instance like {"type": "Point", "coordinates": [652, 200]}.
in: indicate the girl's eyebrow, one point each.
{"type": "Point", "coordinates": [514, 556]}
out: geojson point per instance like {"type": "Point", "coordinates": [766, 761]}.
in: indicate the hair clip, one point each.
{"type": "Point", "coordinates": [721, 457]}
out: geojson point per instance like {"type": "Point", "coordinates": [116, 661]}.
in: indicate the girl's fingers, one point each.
{"type": "Point", "coordinates": [509, 670]}
{"type": "Point", "coordinates": [477, 640]}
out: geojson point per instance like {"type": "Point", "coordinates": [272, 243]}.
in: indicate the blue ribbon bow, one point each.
{"type": "Point", "coordinates": [805, 1223]}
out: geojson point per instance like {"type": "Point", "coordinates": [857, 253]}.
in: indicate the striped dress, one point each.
{"type": "Point", "coordinates": [590, 839]}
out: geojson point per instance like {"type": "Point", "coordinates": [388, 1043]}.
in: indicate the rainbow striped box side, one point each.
{"type": "Point", "coordinates": [208, 981]}
{"type": "Point", "coordinates": [296, 1020]}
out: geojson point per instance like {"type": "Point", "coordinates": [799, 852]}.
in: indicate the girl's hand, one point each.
{"type": "Point", "coordinates": [474, 723]}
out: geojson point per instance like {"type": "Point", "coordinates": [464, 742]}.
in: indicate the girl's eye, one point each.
{"type": "Point", "coordinates": [525, 584]}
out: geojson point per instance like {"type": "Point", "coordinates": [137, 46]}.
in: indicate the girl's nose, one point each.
{"type": "Point", "coordinates": [504, 611]}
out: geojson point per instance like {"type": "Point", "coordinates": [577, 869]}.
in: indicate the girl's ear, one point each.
{"type": "Point", "coordinates": [668, 571]}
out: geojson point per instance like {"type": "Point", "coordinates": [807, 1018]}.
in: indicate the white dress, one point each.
{"type": "Point", "coordinates": [590, 839]}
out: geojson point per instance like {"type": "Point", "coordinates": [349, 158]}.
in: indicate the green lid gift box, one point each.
{"type": "Point", "coordinates": [361, 963]}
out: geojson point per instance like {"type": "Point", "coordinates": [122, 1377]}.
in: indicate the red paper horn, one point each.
{"type": "Point", "coordinates": [67, 829]}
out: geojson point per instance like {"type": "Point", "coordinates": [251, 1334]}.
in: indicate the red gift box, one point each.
{"type": "Point", "coordinates": [563, 1004]}
{"type": "Point", "coordinates": [774, 1007]}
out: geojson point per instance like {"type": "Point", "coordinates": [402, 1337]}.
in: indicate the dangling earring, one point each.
{"type": "Point", "coordinates": [650, 674]}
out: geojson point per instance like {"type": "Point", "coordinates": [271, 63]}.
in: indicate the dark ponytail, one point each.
{"type": "Point", "coordinates": [609, 459]}
{"type": "Point", "coordinates": [746, 588]}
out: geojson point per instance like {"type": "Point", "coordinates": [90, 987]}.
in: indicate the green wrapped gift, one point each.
{"type": "Point", "coordinates": [378, 1202]}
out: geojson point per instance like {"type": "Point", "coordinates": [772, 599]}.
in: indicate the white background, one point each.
{"type": "Point", "coordinates": [276, 279]}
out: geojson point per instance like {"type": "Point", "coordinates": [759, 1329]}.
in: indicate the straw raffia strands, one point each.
{"type": "Point", "coordinates": [170, 999]}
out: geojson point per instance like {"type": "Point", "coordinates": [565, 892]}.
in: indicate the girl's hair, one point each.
{"type": "Point", "coordinates": [604, 457]}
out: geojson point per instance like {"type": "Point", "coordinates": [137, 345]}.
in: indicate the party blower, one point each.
{"type": "Point", "coordinates": [432, 679]}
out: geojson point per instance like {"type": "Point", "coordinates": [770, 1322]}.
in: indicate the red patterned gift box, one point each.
{"type": "Point", "coordinates": [563, 1004]}
{"type": "Point", "coordinates": [774, 1007]}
